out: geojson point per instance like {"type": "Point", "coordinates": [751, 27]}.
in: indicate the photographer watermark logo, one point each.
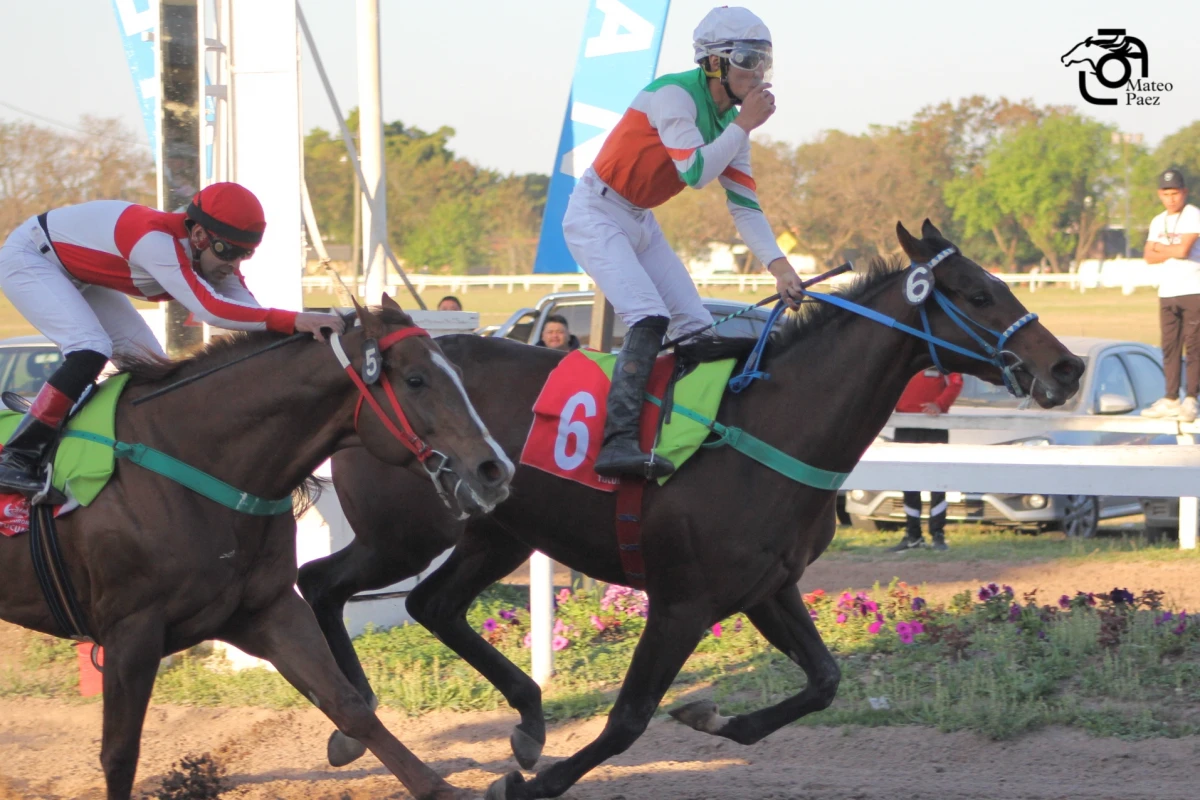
{"type": "Point", "coordinates": [1109, 58]}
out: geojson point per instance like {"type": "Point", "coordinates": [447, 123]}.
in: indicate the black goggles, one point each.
{"type": "Point", "coordinates": [227, 251]}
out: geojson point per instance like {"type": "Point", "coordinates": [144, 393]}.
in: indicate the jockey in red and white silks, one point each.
{"type": "Point", "coordinates": [71, 271]}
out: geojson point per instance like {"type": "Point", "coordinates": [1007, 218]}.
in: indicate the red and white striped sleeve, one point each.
{"type": "Point", "coordinates": [741, 196]}
{"type": "Point", "coordinates": [164, 259]}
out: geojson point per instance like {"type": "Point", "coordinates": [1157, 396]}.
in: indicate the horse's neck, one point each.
{"type": "Point", "coordinates": [843, 383]}
{"type": "Point", "coordinates": [262, 425]}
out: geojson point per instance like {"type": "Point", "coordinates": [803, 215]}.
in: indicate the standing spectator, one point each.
{"type": "Point", "coordinates": [1172, 242]}
{"type": "Point", "coordinates": [929, 392]}
{"type": "Point", "coordinates": [556, 335]}
{"type": "Point", "coordinates": [449, 303]}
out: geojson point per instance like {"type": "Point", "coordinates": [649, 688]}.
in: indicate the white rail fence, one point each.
{"type": "Point", "coordinates": [1125, 274]}
{"type": "Point", "coordinates": [1114, 470]}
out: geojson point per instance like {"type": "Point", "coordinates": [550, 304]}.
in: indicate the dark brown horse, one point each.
{"type": "Point", "coordinates": [724, 535]}
{"type": "Point", "coordinates": [158, 568]}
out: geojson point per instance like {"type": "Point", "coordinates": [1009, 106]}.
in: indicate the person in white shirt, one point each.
{"type": "Point", "coordinates": [1174, 243]}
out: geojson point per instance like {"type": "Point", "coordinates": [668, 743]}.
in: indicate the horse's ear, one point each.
{"type": "Point", "coordinates": [929, 230]}
{"type": "Point", "coordinates": [370, 323]}
{"type": "Point", "coordinates": [388, 302]}
{"type": "Point", "coordinates": [910, 244]}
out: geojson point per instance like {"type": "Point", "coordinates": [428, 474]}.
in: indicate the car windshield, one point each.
{"type": "Point", "coordinates": [24, 369]}
{"type": "Point", "coordinates": [978, 393]}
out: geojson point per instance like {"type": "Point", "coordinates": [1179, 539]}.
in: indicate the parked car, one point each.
{"type": "Point", "coordinates": [25, 364]}
{"type": "Point", "coordinates": [526, 324]}
{"type": "Point", "coordinates": [1120, 378]}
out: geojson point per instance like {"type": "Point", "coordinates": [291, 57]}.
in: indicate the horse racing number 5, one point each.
{"type": "Point", "coordinates": [569, 458]}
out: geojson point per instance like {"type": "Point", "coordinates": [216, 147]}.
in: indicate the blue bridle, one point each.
{"type": "Point", "coordinates": [992, 354]}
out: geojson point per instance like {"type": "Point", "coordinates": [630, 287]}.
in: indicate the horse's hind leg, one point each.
{"type": "Point", "coordinates": [133, 649]}
{"type": "Point", "coordinates": [440, 602]}
{"type": "Point", "coordinates": [286, 634]}
{"type": "Point", "coordinates": [329, 582]}
{"type": "Point", "coordinates": [786, 624]}
{"type": "Point", "coordinates": [670, 636]}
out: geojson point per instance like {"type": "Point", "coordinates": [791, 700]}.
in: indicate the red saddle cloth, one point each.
{"type": "Point", "coordinates": [569, 415]}
{"type": "Point", "coordinates": [14, 514]}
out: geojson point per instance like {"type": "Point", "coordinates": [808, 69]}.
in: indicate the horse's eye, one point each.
{"type": "Point", "coordinates": [981, 299]}
{"type": "Point", "coordinates": [414, 381]}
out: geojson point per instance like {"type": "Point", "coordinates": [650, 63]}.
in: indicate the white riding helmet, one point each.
{"type": "Point", "coordinates": [724, 27]}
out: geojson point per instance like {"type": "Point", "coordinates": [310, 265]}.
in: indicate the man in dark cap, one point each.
{"type": "Point", "coordinates": [1174, 243]}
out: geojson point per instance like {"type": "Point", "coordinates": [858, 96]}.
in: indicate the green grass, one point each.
{"type": "Point", "coordinates": [977, 542]}
{"type": "Point", "coordinates": [993, 665]}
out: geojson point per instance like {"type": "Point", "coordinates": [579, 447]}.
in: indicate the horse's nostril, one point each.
{"type": "Point", "coordinates": [1067, 370]}
{"type": "Point", "coordinates": [492, 473]}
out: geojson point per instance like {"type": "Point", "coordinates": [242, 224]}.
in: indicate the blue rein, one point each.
{"type": "Point", "coordinates": [992, 354]}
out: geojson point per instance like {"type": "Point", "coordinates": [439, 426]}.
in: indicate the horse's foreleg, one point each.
{"type": "Point", "coordinates": [327, 584]}
{"type": "Point", "coordinates": [669, 638]}
{"type": "Point", "coordinates": [786, 624]}
{"type": "Point", "coordinates": [132, 651]}
{"type": "Point", "coordinates": [440, 602]}
{"type": "Point", "coordinates": [286, 634]}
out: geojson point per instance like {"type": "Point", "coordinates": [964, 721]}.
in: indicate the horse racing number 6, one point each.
{"type": "Point", "coordinates": [576, 428]}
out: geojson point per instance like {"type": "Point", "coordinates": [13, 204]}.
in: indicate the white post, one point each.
{"type": "Point", "coordinates": [541, 616]}
{"type": "Point", "coordinates": [370, 133]}
{"type": "Point", "coordinates": [1188, 506]}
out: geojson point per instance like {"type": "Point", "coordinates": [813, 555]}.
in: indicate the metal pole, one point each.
{"type": "Point", "coordinates": [370, 137]}
{"type": "Point", "coordinates": [351, 148]}
{"type": "Point", "coordinates": [1125, 160]}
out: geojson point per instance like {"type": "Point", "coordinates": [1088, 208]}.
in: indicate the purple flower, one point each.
{"type": "Point", "coordinates": [1166, 616]}
{"type": "Point", "coordinates": [597, 623]}
{"type": "Point", "coordinates": [812, 614]}
{"type": "Point", "coordinates": [984, 594]}
{"type": "Point", "coordinates": [1006, 589]}
{"type": "Point", "coordinates": [870, 606]}
{"type": "Point", "coordinates": [841, 619]}
{"type": "Point", "coordinates": [716, 630]}
{"type": "Point", "coordinates": [905, 632]}
{"type": "Point", "coordinates": [917, 627]}
{"type": "Point", "coordinates": [918, 603]}
{"type": "Point", "coordinates": [489, 624]}
{"type": "Point", "coordinates": [1014, 613]}
{"type": "Point", "coordinates": [875, 626]}
{"type": "Point", "coordinates": [508, 614]}
{"type": "Point", "coordinates": [1122, 596]}
{"type": "Point", "coordinates": [559, 643]}
{"type": "Point", "coordinates": [1064, 602]}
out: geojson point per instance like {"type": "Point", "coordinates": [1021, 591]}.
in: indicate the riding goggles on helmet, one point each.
{"type": "Point", "coordinates": [751, 57]}
{"type": "Point", "coordinates": [227, 251]}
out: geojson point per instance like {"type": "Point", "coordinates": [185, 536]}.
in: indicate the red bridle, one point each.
{"type": "Point", "coordinates": [403, 432]}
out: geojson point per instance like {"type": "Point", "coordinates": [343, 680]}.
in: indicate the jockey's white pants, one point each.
{"type": "Point", "coordinates": [73, 315]}
{"type": "Point", "coordinates": [624, 251]}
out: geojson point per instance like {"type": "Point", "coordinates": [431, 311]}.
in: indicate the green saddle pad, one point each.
{"type": "Point", "coordinates": [700, 390]}
{"type": "Point", "coordinates": [82, 468]}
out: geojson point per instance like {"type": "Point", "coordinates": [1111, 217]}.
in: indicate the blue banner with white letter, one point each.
{"type": "Point", "coordinates": [618, 57]}
{"type": "Point", "coordinates": [138, 24]}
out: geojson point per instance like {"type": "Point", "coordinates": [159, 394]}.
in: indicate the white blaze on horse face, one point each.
{"type": "Point", "coordinates": [441, 361]}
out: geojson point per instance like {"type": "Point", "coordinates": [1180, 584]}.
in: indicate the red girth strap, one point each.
{"type": "Point", "coordinates": [404, 432]}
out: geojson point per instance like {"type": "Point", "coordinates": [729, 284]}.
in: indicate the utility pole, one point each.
{"type": "Point", "coordinates": [1126, 139]}
{"type": "Point", "coordinates": [370, 137]}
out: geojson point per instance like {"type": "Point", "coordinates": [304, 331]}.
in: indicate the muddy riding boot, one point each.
{"type": "Point", "coordinates": [24, 452]}
{"type": "Point", "coordinates": [622, 453]}
{"type": "Point", "coordinates": [38, 430]}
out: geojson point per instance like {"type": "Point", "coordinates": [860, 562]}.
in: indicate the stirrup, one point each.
{"type": "Point", "coordinates": [15, 402]}
{"type": "Point", "coordinates": [48, 494]}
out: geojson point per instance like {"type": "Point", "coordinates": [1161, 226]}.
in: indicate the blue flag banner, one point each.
{"type": "Point", "coordinates": [618, 57]}
{"type": "Point", "coordinates": [138, 24]}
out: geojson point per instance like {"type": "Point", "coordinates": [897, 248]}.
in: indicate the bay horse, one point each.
{"type": "Point", "coordinates": [724, 535]}
{"type": "Point", "coordinates": [158, 568]}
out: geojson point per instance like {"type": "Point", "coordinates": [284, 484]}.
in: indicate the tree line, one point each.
{"type": "Point", "coordinates": [1014, 183]}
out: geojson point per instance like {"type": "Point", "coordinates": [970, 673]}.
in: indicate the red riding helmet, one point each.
{"type": "Point", "coordinates": [231, 212]}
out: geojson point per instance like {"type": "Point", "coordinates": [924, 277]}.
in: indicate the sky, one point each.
{"type": "Point", "coordinates": [499, 72]}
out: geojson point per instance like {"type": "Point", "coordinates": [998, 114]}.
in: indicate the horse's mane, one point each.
{"type": "Point", "coordinates": [812, 316]}
{"type": "Point", "coordinates": [147, 368]}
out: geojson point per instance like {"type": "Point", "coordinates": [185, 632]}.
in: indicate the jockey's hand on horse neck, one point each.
{"type": "Point", "coordinates": [787, 282]}
{"type": "Point", "coordinates": [312, 322]}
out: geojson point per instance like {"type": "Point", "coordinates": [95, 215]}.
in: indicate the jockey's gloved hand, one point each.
{"type": "Point", "coordinates": [787, 282]}
{"type": "Point", "coordinates": [313, 322]}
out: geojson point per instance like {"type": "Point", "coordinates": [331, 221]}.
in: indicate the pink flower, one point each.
{"type": "Point", "coordinates": [905, 632]}
{"type": "Point", "coordinates": [528, 640]}
{"type": "Point", "coordinates": [875, 626]}
{"type": "Point", "coordinates": [489, 624]}
{"type": "Point", "coordinates": [564, 595]}
{"type": "Point", "coordinates": [560, 627]}
{"type": "Point", "coordinates": [841, 619]}
{"type": "Point", "coordinates": [559, 643]}
{"type": "Point", "coordinates": [716, 630]}
{"type": "Point", "coordinates": [917, 627]}
{"type": "Point", "coordinates": [597, 623]}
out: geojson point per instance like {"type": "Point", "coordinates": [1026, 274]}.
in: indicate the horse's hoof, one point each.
{"type": "Point", "coordinates": [507, 788]}
{"type": "Point", "coordinates": [343, 750]}
{"type": "Point", "coordinates": [526, 749]}
{"type": "Point", "coordinates": [701, 715]}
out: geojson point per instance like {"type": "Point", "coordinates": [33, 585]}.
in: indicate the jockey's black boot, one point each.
{"type": "Point", "coordinates": [38, 430]}
{"type": "Point", "coordinates": [622, 453]}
